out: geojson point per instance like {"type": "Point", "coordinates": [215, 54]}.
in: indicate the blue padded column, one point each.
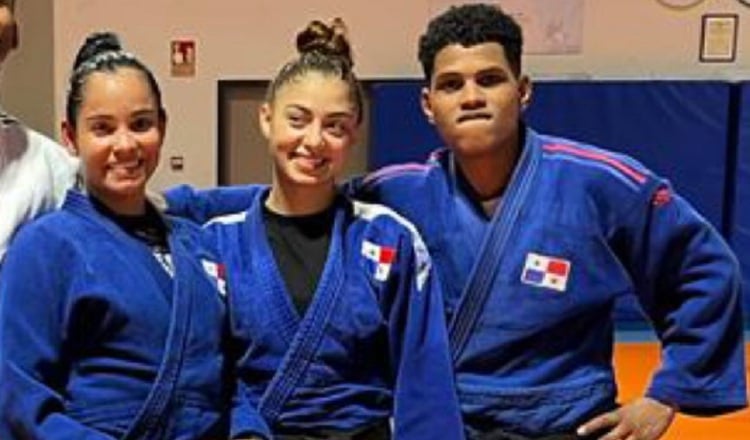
{"type": "Point", "coordinates": [740, 231]}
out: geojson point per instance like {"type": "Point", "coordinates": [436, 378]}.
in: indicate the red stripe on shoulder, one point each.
{"type": "Point", "coordinates": [394, 170]}
{"type": "Point", "coordinates": [599, 157]}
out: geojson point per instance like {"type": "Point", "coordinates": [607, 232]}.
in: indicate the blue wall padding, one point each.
{"type": "Point", "coordinates": [740, 235]}
{"type": "Point", "coordinates": [677, 128]}
{"type": "Point", "coordinates": [399, 131]}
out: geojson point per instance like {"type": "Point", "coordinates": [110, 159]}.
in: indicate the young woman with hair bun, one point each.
{"type": "Point", "coordinates": [339, 318]}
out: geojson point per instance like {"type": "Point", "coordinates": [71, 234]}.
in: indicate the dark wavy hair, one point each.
{"type": "Point", "coordinates": [470, 25]}
{"type": "Point", "coordinates": [323, 49]}
{"type": "Point", "coordinates": [102, 52]}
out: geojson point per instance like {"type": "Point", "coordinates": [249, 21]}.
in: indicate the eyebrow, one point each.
{"type": "Point", "coordinates": [337, 115]}
{"type": "Point", "coordinates": [96, 117]}
{"type": "Point", "coordinates": [448, 73]}
{"type": "Point", "coordinates": [493, 69]}
{"type": "Point", "coordinates": [145, 112]}
{"type": "Point", "coordinates": [297, 107]}
{"type": "Point", "coordinates": [137, 113]}
{"type": "Point", "coordinates": [341, 115]}
{"type": "Point", "coordinates": [488, 69]}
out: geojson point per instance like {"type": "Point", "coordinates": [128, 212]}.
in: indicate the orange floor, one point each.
{"type": "Point", "coordinates": [634, 362]}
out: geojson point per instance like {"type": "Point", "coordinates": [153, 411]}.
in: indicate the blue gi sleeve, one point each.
{"type": "Point", "coordinates": [33, 367]}
{"type": "Point", "coordinates": [203, 205]}
{"type": "Point", "coordinates": [688, 282]}
{"type": "Point", "coordinates": [425, 398]}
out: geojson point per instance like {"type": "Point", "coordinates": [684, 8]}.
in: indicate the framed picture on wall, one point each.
{"type": "Point", "coordinates": [719, 38]}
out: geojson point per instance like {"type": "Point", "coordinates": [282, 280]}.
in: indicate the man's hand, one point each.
{"type": "Point", "coordinates": [641, 419]}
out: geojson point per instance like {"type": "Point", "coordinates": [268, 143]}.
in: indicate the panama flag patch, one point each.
{"type": "Point", "coordinates": [217, 273]}
{"type": "Point", "coordinates": [382, 256]}
{"type": "Point", "coordinates": [544, 271]}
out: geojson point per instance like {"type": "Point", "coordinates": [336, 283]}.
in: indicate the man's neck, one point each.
{"type": "Point", "coordinates": [489, 175]}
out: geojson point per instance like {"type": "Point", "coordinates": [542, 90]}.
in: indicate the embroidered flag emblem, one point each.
{"type": "Point", "coordinates": [544, 271]}
{"type": "Point", "coordinates": [217, 273]}
{"type": "Point", "coordinates": [382, 256]}
{"type": "Point", "coordinates": [661, 197]}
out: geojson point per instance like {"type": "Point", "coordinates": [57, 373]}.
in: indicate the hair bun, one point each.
{"type": "Point", "coordinates": [328, 40]}
{"type": "Point", "coordinates": [95, 44]}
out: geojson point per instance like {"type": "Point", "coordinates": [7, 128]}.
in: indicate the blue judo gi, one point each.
{"type": "Point", "coordinates": [99, 341]}
{"type": "Point", "coordinates": [529, 291]}
{"type": "Point", "coordinates": [371, 345]}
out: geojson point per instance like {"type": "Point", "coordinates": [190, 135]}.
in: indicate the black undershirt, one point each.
{"type": "Point", "coordinates": [300, 248]}
{"type": "Point", "coordinates": [148, 228]}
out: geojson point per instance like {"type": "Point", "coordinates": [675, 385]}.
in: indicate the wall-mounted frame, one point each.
{"type": "Point", "coordinates": [745, 2]}
{"type": "Point", "coordinates": [718, 38]}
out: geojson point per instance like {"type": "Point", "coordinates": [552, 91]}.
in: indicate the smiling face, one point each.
{"type": "Point", "coordinates": [118, 135]}
{"type": "Point", "coordinates": [475, 99]}
{"type": "Point", "coordinates": [310, 126]}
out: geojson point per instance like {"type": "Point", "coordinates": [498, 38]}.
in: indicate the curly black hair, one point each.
{"type": "Point", "coordinates": [469, 25]}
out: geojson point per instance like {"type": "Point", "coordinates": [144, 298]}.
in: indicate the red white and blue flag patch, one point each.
{"type": "Point", "coordinates": [382, 256]}
{"type": "Point", "coordinates": [544, 271]}
{"type": "Point", "coordinates": [217, 273]}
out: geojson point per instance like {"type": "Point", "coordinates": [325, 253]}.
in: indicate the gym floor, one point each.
{"type": "Point", "coordinates": [634, 362]}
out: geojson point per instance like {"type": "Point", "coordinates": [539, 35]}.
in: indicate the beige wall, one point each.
{"type": "Point", "coordinates": [27, 85]}
{"type": "Point", "coordinates": [249, 39]}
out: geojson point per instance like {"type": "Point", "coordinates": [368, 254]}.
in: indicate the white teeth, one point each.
{"type": "Point", "coordinates": [315, 162]}
{"type": "Point", "coordinates": [127, 166]}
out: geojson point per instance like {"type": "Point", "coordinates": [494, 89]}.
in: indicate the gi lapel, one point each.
{"type": "Point", "coordinates": [153, 416]}
{"type": "Point", "coordinates": [151, 420]}
{"type": "Point", "coordinates": [479, 284]}
{"type": "Point", "coordinates": [311, 328]}
{"type": "Point", "coordinates": [264, 274]}
{"type": "Point", "coordinates": [79, 203]}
